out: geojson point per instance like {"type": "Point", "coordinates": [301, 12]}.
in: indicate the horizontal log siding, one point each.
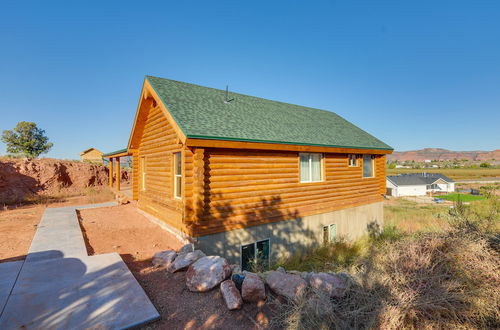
{"type": "Point", "coordinates": [250, 187]}
{"type": "Point", "coordinates": [158, 141]}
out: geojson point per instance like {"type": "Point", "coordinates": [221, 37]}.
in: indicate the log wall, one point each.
{"type": "Point", "coordinates": [244, 188]}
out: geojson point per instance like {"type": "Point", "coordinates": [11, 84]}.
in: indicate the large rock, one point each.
{"type": "Point", "coordinates": [187, 248]}
{"type": "Point", "coordinates": [335, 285]}
{"type": "Point", "coordinates": [231, 295]}
{"type": "Point", "coordinates": [206, 273]}
{"type": "Point", "coordinates": [164, 258]}
{"type": "Point", "coordinates": [253, 289]}
{"type": "Point", "coordinates": [290, 286]}
{"type": "Point", "coordinates": [184, 260]}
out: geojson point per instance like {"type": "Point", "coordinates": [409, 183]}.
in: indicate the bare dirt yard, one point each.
{"type": "Point", "coordinates": [122, 229]}
{"type": "Point", "coordinates": [18, 222]}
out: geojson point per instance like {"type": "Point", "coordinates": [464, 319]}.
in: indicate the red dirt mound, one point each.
{"type": "Point", "coordinates": [20, 178]}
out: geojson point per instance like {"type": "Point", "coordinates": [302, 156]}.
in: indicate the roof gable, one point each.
{"type": "Point", "coordinates": [200, 112]}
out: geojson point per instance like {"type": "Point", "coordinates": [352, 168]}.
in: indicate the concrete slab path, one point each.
{"type": "Point", "coordinates": [60, 287]}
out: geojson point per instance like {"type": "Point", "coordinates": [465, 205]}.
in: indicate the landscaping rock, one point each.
{"type": "Point", "coordinates": [335, 285]}
{"type": "Point", "coordinates": [206, 273]}
{"type": "Point", "coordinates": [187, 248]}
{"type": "Point", "coordinates": [281, 270]}
{"type": "Point", "coordinates": [231, 295]}
{"type": "Point", "coordinates": [164, 258]}
{"type": "Point", "coordinates": [235, 269]}
{"type": "Point", "coordinates": [287, 285]}
{"type": "Point", "coordinates": [184, 260]}
{"type": "Point", "coordinates": [238, 280]}
{"type": "Point", "coordinates": [253, 289]}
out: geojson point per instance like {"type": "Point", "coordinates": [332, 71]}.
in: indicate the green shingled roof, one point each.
{"type": "Point", "coordinates": [201, 112]}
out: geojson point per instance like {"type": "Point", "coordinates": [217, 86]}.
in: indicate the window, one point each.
{"type": "Point", "coordinates": [367, 166]}
{"type": "Point", "coordinates": [255, 255]}
{"type": "Point", "coordinates": [143, 172]}
{"type": "Point", "coordinates": [353, 160]}
{"type": "Point", "coordinates": [310, 167]}
{"type": "Point", "coordinates": [177, 175]}
{"type": "Point", "coordinates": [329, 233]}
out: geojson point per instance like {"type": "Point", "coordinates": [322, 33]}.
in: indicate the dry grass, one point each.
{"type": "Point", "coordinates": [425, 279]}
{"type": "Point", "coordinates": [411, 217]}
{"type": "Point", "coordinates": [453, 173]}
{"type": "Point", "coordinates": [429, 281]}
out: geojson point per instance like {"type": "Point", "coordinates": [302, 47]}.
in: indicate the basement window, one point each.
{"type": "Point", "coordinates": [329, 233]}
{"type": "Point", "coordinates": [255, 256]}
{"type": "Point", "coordinates": [368, 166]}
{"type": "Point", "coordinates": [177, 175]}
{"type": "Point", "coordinates": [310, 167]}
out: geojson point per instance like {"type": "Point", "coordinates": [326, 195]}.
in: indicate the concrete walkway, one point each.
{"type": "Point", "coordinates": [59, 286]}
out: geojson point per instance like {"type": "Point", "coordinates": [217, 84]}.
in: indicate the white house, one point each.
{"type": "Point", "coordinates": [418, 184]}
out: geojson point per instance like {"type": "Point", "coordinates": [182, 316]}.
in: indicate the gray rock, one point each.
{"type": "Point", "coordinates": [231, 295]}
{"type": "Point", "coordinates": [184, 260]}
{"type": "Point", "coordinates": [187, 248]}
{"type": "Point", "coordinates": [235, 269]}
{"type": "Point", "coordinates": [281, 270]}
{"type": "Point", "coordinates": [335, 285]}
{"type": "Point", "coordinates": [253, 289]}
{"type": "Point", "coordinates": [289, 286]}
{"type": "Point", "coordinates": [164, 258]}
{"type": "Point", "coordinates": [206, 273]}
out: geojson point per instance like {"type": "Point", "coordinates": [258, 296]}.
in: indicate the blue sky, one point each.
{"type": "Point", "coordinates": [415, 74]}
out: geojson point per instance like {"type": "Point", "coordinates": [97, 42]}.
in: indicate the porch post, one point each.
{"type": "Point", "coordinates": [111, 172]}
{"type": "Point", "coordinates": [118, 173]}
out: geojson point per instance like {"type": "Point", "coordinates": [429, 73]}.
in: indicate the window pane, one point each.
{"type": "Point", "coordinates": [333, 233]}
{"type": "Point", "coordinates": [316, 167]}
{"type": "Point", "coordinates": [263, 254]}
{"type": "Point", "coordinates": [247, 256]}
{"type": "Point", "coordinates": [325, 234]}
{"type": "Point", "coordinates": [178, 186]}
{"type": "Point", "coordinates": [177, 163]}
{"type": "Point", "coordinates": [304, 168]}
{"type": "Point", "coordinates": [367, 166]}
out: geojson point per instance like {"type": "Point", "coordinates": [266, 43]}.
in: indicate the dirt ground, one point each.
{"type": "Point", "coordinates": [122, 229]}
{"type": "Point", "coordinates": [18, 223]}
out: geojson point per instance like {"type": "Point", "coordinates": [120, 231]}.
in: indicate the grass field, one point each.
{"type": "Point", "coordinates": [463, 197]}
{"type": "Point", "coordinates": [411, 217]}
{"type": "Point", "coordinates": [453, 173]}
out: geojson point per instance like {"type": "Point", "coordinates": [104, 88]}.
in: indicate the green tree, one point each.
{"type": "Point", "coordinates": [392, 166]}
{"type": "Point", "coordinates": [26, 138]}
{"type": "Point", "coordinates": [485, 164]}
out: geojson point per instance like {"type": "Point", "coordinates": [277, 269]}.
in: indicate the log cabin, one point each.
{"type": "Point", "coordinates": [248, 178]}
{"type": "Point", "coordinates": [91, 155]}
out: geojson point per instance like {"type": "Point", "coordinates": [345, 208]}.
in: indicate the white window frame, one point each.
{"type": "Point", "coordinates": [255, 249]}
{"type": "Point", "coordinates": [329, 233]}
{"type": "Point", "coordinates": [352, 157]}
{"type": "Point", "coordinates": [175, 175]}
{"type": "Point", "coordinates": [143, 173]}
{"type": "Point", "coordinates": [373, 166]}
{"type": "Point", "coordinates": [309, 154]}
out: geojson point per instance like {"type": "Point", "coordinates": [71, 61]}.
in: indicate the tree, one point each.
{"type": "Point", "coordinates": [26, 138]}
{"type": "Point", "coordinates": [485, 164]}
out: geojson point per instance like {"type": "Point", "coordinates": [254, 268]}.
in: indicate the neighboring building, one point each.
{"type": "Point", "coordinates": [418, 184]}
{"type": "Point", "coordinates": [243, 176]}
{"type": "Point", "coordinates": [91, 155]}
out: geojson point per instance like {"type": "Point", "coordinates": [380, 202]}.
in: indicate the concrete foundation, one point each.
{"type": "Point", "coordinates": [290, 236]}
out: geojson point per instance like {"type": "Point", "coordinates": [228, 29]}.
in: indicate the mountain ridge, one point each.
{"type": "Point", "coordinates": [443, 154]}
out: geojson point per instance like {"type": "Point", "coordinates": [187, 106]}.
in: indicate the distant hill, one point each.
{"type": "Point", "coordinates": [443, 154]}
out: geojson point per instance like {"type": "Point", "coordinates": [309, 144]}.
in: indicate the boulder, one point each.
{"type": "Point", "coordinates": [236, 269]}
{"type": "Point", "coordinates": [164, 258]}
{"type": "Point", "coordinates": [184, 260]}
{"type": "Point", "coordinates": [289, 286]}
{"type": "Point", "coordinates": [253, 289]}
{"type": "Point", "coordinates": [187, 248]}
{"type": "Point", "coordinates": [231, 295]}
{"type": "Point", "coordinates": [335, 285]}
{"type": "Point", "coordinates": [206, 273]}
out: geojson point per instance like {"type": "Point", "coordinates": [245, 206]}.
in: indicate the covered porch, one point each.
{"type": "Point", "coordinates": [123, 189]}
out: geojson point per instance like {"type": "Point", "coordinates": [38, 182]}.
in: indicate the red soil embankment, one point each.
{"type": "Point", "coordinates": [20, 178]}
